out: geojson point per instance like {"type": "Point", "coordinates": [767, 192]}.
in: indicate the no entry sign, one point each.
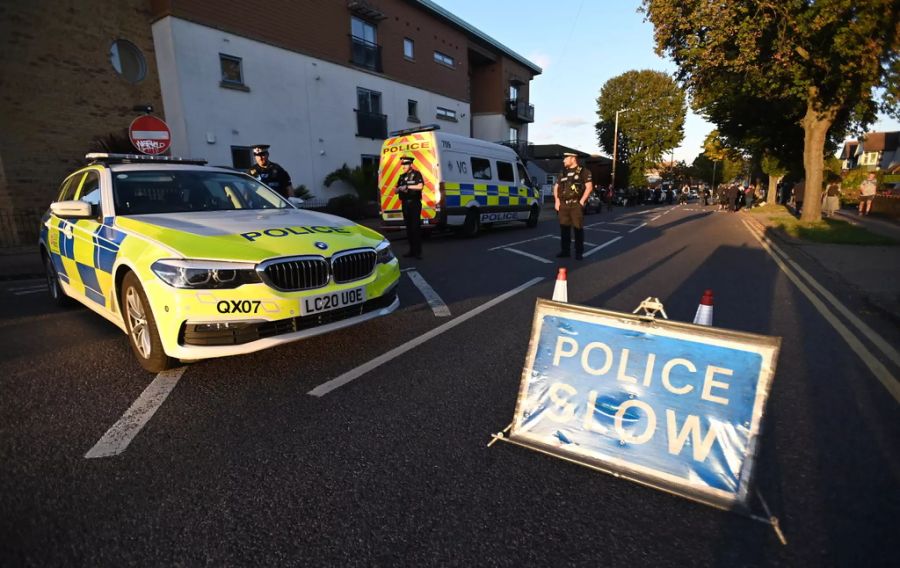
{"type": "Point", "coordinates": [149, 135]}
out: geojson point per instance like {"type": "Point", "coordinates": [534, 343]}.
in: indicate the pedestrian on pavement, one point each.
{"type": "Point", "coordinates": [270, 173]}
{"type": "Point", "coordinates": [867, 190]}
{"type": "Point", "coordinates": [749, 196]}
{"type": "Point", "coordinates": [570, 193]}
{"type": "Point", "coordinates": [731, 195]}
{"type": "Point", "coordinates": [409, 190]}
{"type": "Point", "coordinates": [799, 194]}
{"type": "Point", "coordinates": [832, 199]}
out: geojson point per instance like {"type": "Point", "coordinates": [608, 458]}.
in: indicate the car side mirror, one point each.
{"type": "Point", "coordinates": [73, 209]}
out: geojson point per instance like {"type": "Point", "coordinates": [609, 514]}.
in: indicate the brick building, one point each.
{"type": "Point", "coordinates": [323, 82]}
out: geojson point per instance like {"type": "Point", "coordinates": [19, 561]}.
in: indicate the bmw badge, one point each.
{"type": "Point", "coordinates": [321, 246]}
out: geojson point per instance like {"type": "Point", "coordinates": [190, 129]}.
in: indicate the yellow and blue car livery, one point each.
{"type": "Point", "coordinates": [224, 264]}
{"type": "Point", "coordinates": [467, 182]}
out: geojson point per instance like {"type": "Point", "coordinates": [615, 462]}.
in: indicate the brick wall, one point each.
{"type": "Point", "coordinates": [59, 91]}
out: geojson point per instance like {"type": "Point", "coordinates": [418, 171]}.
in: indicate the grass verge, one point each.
{"type": "Point", "coordinates": [828, 231]}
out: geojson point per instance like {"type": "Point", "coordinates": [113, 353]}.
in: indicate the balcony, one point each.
{"type": "Point", "coordinates": [365, 54]}
{"type": "Point", "coordinates": [371, 125]}
{"type": "Point", "coordinates": [520, 146]}
{"type": "Point", "coordinates": [519, 110]}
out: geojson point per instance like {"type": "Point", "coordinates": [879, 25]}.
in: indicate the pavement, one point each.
{"type": "Point", "coordinates": [874, 271]}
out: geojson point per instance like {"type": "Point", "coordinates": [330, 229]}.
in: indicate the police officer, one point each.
{"type": "Point", "coordinates": [268, 172]}
{"type": "Point", "coordinates": [571, 192]}
{"type": "Point", "coordinates": [409, 189]}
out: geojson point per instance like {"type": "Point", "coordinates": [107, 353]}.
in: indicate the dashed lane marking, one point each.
{"type": "Point", "coordinates": [521, 242]}
{"type": "Point", "coordinates": [135, 418]}
{"type": "Point", "coordinates": [638, 227]}
{"type": "Point", "coordinates": [606, 244]}
{"type": "Point", "coordinates": [438, 306]}
{"type": "Point", "coordinates": [353, 374]}
{"type": "Point", "coordinates": [529, 255]}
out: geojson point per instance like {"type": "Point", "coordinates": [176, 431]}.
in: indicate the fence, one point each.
{"type": "Point", "coordinates": [20, 227]}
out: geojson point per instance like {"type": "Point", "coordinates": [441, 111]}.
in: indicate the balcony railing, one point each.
{"type": "Point", "coordinates": [371, 125]}
{"type": "Point", "coordinates": [519, 110]}
{"type": "Point", "coordinates": [520, 146]}
{"type": "Point", "coordinates": [365, 54]}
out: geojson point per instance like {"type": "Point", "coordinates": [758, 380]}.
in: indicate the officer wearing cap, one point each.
{"type": "Point", "coordinates": [409, 190]}
{"type": "Point", "coordinates": [571, 192]}
{"type": "Point", "coordinates": [268, 172]}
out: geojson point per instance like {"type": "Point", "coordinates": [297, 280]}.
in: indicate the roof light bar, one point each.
{"type": "Point", "coordinates": [423, 128]}
{"type": "Point", "coordinates": [108, 158]}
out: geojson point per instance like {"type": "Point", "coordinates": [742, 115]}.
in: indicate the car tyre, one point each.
{"type": "Point", "coordinates": [472, 225]}
{"type": "Point", "coordinates": [141, 327]}
{"type": "Point", "coordinates": [533, 217]}
{"type": "Point", "coordinates": [57, 294]}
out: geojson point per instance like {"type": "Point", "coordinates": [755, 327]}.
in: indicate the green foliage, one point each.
{"type": "Point", "coordinates": [850, 184]}
{"type": "Point", "coordinates": [772, 166]}
{"type": "Point", "coordinates": [114, 142]}
{"type": "Point", "coordinates": [363, 180]}
{"type": "Point", "coordinates": [347, 205]}
{"type": "Point", "coordinates": [302, 192]}
{"type": "Point", "coordinates": [653, 125]}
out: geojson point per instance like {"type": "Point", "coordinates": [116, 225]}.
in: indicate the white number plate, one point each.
{"type": "Point", "coordinates": [332, 301]}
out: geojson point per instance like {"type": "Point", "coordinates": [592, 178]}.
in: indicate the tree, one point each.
{"type": "Point", "coordinates": [772, 167]}
{"type": "Point", "coordinates": [651, 127]}
{"type": "Point", "coordinates": [828, 56]}
{"type": "Point", "coordinates": [363, 180]}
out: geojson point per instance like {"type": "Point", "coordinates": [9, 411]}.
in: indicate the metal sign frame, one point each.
{"type": "Point", "coordinates": [767, 347]}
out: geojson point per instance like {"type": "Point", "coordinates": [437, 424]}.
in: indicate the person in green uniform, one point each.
{"type": "Point", "coordinates": [570, 193]}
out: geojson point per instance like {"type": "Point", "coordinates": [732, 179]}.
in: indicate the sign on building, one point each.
{"type": "Point", "coordinates": [150, 135]}
{"type": "Point", "coordinates": [671, 405]}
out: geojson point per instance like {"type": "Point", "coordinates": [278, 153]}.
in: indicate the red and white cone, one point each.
{"type": "Point", "coordinates": [705, 309]}
{"type": "Point", "coordinates": [560, 290]}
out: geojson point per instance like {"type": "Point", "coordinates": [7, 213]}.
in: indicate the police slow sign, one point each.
{"type": "Point", "coordinates": [671, 405]}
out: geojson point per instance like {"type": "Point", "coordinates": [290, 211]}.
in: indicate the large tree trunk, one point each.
{"type": "Point", "coordinates": [815, 129]}
{"type": "Point", "coordinates": [772, 193]}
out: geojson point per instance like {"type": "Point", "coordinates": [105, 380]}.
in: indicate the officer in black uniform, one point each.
{"type": "Point", "coordinates": [571, 192]}
{"type": "Point", "coordinates": [268, 172]}
{"type": "Point", "coordinates": [409, 189]}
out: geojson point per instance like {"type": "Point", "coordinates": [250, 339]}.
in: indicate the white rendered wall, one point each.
{"type": "Point", "coordinates": [495, 128]}
{"type": "Point", "coordinates": [302, 106]}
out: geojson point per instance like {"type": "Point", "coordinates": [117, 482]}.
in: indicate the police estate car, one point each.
{"type": "Point", "coordinates": [194, 262]}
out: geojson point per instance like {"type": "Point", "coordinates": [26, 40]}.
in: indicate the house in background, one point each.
{"type": "Point", "coordinates": [873, 151]}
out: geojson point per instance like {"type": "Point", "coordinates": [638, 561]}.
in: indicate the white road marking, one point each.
{"type": "Point", "coordinates": [585, 242]}
{"type": "Point", "coordinates": [603, 230]}
{"type": "Point", "coordinates": [881, 372]}
{"type": "Point", "coordinates": [520, 242]}
{"type": "Point", "coordinates": [29, 292]}
{"type": "Point", "coordinates": [529, 255]}
{"type": "Point", "coordinates": [353, 374]}
{"type": "Point", "coordinates": [655, 218]}
{"type": "Point", "coordinates": [606, 244]}
{"type": "Point", "coordinates": [615, 223]}
{"type": "Point", "coordinates": [39, 285]}
{"type": "Point", "coordinates": [438, 306]}
{"type": "Point", "coordinates": [638, 227]}
{"type": "Point", "coordinates": [123, 432]}
{"type": "Point", "coordinates": [407, 269]}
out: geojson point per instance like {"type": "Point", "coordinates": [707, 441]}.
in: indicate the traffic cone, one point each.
{"type": "Point", "coordinates": [705, 309]}
{"type": "Point", "coordinates": [560, 289]}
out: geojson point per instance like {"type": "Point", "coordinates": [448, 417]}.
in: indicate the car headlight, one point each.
{"type": "Point", "coordinates": [383, 252]}
{"type": "Point", "coordinates": [203, 274]}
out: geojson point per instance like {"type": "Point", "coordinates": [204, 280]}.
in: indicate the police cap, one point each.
{"type": "Point", "coordinates": [260, 149]}
{"type": "Point", "coordinates": [406, 160]}
{"type": "Point", "coordinates": [570, 155]}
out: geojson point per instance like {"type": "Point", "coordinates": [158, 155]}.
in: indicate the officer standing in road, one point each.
{"type": "Point", "coordinates": [571, 193]}
{"type": "Point", "coordinates": [268, 172]}
{"type": "Point", "coordinates": [409, 189]}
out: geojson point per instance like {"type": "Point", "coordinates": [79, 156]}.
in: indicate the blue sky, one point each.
{"type": "Point", "coordinates": [580, 44]}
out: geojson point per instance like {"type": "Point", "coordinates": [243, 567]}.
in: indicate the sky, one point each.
{"type": "Point", "coordinates": [580, 44]}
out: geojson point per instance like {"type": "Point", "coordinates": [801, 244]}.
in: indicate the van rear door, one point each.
{"type": "Point", "coordinates": [421, 146]}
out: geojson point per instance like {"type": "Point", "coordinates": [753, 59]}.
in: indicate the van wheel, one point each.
{"type": "Point", "coordinates": [533, 217]}
{"type": "Point", "coordinates": [141, 325]}
{"type": "Point", "coordinates": [56, 292]}
{"type": "Point", "coordinates": [472, 225]}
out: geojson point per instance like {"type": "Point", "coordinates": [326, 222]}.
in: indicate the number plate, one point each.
{"type": "Point", "coordinates": [394, 215]}
{"type": "Point", "coordinates": [332, 301]}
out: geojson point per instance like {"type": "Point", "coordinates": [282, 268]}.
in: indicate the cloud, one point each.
{"type": "Point", "coordinates": [542, 60]}
{"type": "Point", "coordinates": [569, 121]}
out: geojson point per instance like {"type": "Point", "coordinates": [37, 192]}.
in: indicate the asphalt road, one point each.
{"type": "Point", "coordinates": [242, 466]}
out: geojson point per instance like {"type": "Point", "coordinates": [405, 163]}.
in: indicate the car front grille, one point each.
{"type": "Point", "coordinates": [302, 273]}
{"type": "Point", "coordinates": [353, 265]}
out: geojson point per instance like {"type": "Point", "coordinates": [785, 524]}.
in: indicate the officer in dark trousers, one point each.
{"type": "Point", "coordinates": [571, 192]}
{"type": "Point", "coordinates": [409, 189]}
{"type": "Point", "coordinates": [268, 172]}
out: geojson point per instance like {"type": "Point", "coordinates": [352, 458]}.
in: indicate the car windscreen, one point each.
{"type": "Point", "coordinates": [179, 191]}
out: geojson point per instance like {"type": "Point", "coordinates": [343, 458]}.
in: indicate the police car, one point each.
{"type": "Point", "coordinates": [193, 262]}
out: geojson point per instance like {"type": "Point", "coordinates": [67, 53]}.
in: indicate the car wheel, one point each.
{"type": "Point", "coordinates": [533, 217]}
{"type": "Point", "coordinates": [56, 292]}
{"type": "Point", "coordinates": [472, 224]}
{"type": "Point", "coordinates": [141, 327]}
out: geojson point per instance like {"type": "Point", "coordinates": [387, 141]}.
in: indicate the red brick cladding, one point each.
{"type": "Point", "coordinates": [321, 28]}
{"type": "Point", "coordinates": [59, 90]}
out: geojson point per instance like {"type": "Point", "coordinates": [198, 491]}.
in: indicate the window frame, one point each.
{"type": "Point", "coordinates": [230, 83]}
{"type": "Point", "coordinates": [443, 113]}
{"type": "Point", "coordinates": [365, 25]}
{"type": "Point", "coordinates": [368, 93]}
{"type": "Point", "coordinates": [442, 58]}
{"type": "Point", "coordinates": [412, 110]}
{"type": "Point", "coordinates": [477, 172]}
{"type": "Point", "coordinates": [412, 49]}
{"type": "Point", "coordinates": [502, 165]}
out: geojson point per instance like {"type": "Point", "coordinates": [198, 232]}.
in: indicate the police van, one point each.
{"type": "Point", "coordinates": [467, 182]}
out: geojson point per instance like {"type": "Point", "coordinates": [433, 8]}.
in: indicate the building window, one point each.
{"type": "Point", "coordinates": [364, 48]}
{"type": "Point", "coordinates": [446, 114]}
{"type": "Point", "coordinates": [370, 123]}
{"type": "Point", "coordinates": [513, 134]}
{"type": "Point", "coordinates": [128, 61]}
{"type": "Point", "coordinates": [551, 180]}
{"type": "Point", "coordinates": [513, 92]}
{"type": "Point", "coordinates": [369, 162]}
{"type": "Point", "coordinates": [241, 157]}
{"type": "Point", "coordinates": [363, 30]}
{"type": "Point", "coordinates": [412, 110]}
{"type": "Point", "coordinates": [443, 59]}
{"type": "Point", "coordinates": [232, 70]}
{"type": "Point", "coordinates": [505, 171]}
{"type": "Point", "coordinates": [409, 48]}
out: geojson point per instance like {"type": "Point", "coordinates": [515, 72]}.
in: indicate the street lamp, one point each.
{"type": "Point", "coordinates": [615, 147]}
{"type": "Point", "coordinates": [713, 188]}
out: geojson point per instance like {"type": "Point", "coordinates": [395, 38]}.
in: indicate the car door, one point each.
{"type": "Point", "coordinates": [91, 245]}
{"type": "Point", "coordinates": [60, 234]}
